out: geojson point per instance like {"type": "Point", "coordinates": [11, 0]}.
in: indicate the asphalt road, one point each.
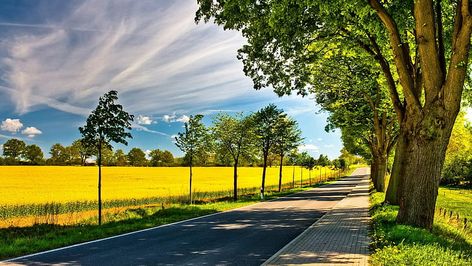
{"type": "Point", "coordinates": [245, 236]}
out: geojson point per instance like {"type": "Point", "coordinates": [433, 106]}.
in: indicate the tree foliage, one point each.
{"type": "Point", "coordinates": [13, 149]}
{"type": "Point", "coordinates": [107, 123]}
{"type": "Point", "coordinates": [193, 141]}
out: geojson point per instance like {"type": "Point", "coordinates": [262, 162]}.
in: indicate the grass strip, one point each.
{"type": "Point", "coordinates": [395, 244]}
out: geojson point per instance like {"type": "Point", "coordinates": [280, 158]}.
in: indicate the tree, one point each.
{"type": "Point", "coordinates": [350, 88]}
{"type": "Point", "coordinates": [120, 158]}
{"type": "Point", "coordinates": [13, 149]}
{"type": "Point", "coordinates": [235, 136]}
{"type": "Point", "coordinates": [34, 154]}
{"type": "Point", "coordinates": [107, 123]}
{"type": "Point", "coordinates": [293, 160]}
{"type": "Point", "coordinates": [193, 141]}
{"type": "Point", "coordinates": [59, 155]}
{"type": "Point", "coordinates": [167, 158]}
{"type": "Point", "coordinates": [309, 164]}
{"type": "Point", "coordinates": [265, 121]}
{"type": "Point", "coordinates": [287, 138]}
{"type": "Point", "coordinates": [136, 157]}
{"type": "Point", "coordinates": [156, 157]}
{"type": "Point", "coordinates": [161, 158]}
{"type": "Point", "coordinates": [82, 150]}
{"type": "Point", "coordinates": [425, 91]}
{"type": "Point", "coordinates": [108, 156]}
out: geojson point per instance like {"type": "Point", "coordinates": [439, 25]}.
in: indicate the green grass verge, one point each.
{"type": "Point", "coordinates": [395, 244]}
{"type": "Point", "coordinates": [458, 200]}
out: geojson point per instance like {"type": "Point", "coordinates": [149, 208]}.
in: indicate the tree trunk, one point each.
{"type": "Point", "coordinates": [301, 176]}
{"type": "Point", "coordinates": [264, 176]}
{"type": "Point", "coordinates": [190, 191]}
{"type": "Point", "coordinates": [293, 176]}
{"type": "Point", "coordinates": [235, 181]}
{"type": "Point", "coordinates": [280, 172]}
{"type": "Point", "coordinates": [426, 143]}
{"type": "Point", "coordinates": [379, 170]}
{"type": "Point", "coordinates": [394, 191]}
{"type": "Point", "coordinates": [374, 170]}
{"type": "Point", "coordinates": [99, 160]}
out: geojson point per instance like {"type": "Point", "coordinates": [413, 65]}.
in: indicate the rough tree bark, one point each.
{"type": "Point", "coordinates": [394, 191]}
{"type": "Point", "coordinates": [427, 120]}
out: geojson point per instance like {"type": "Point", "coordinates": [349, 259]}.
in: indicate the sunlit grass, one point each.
{"type": "Point", "coordinates": [396, 244]}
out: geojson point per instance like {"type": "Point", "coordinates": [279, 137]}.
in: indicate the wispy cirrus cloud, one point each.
{"type": "Point", "coordinates": [150, 51]}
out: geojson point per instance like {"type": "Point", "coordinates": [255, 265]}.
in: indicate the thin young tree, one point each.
{"type": "Point", "coordinates": [234, 135]}
{"type": "Point", "coordinates": [265, 121]}
{"type": "Point", "coordinates": [193, 142]}
{"type": "Point", "coordinates": [287, 138]}
{"type": "Point", "coordinates": [107, 123]}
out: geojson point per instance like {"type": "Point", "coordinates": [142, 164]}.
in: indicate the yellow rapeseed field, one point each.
{"type": "Point", "coordinates": [42, 184]}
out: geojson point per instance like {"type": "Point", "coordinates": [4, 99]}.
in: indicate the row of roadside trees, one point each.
{"type": "Point", "coordinates": [393, 74]}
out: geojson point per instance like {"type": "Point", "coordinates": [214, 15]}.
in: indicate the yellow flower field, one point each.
{"type": "Point", "coordinates": [42, 184]}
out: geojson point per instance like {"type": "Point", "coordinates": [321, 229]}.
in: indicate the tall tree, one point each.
{"type": "Point", "coordinates": [107, 123]}
{"type": "Point", "coordinates": [120, 158]}
{"type": "Point", "coordinates": [167, 158]}
{"type": "Point", "coordinates": [83, 151]}
{"type": "Point", "coordinates": [287, 138]}
{"type": "Point", "coordinates": [34, 154]}
{"type": "Point", "coordinates": [13, 149]}
{"type": "Point", "coordinates": [136, 157]}
{"type": "Point", "coordinates": [59, 154]}
{"type": "Point", "coordinates": [265, 123]}
{"type": "Point", "coordinates": [429, 45]}
{"type": "Point", "coordinates": [234, 135]}
{"type": "Point", "coordinates": [351, 89]}
{"type": "Point", "coordinates": [193, 141]}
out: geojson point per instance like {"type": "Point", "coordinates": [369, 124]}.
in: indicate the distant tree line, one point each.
{"type": "Point", "coordinates": [16, 152]}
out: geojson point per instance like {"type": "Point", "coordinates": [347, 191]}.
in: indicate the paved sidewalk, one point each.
{"type": "Point", "coordinates": [339, 237]}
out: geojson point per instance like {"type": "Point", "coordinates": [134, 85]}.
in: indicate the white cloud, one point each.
{"type": "Point", "coordinates": [308, 147]}
{"type": "Point", "coordinates": [144, 120]}
{"type": "Point", "coordinates": [174, 118]}
{"type": "Point", "coordinates": [11, 125]}
{"type": "Point", "coordinates": [319, 139]}
{"type": "Point", "coordinates": [31, 132]}
{"type": "Point", "coordinates": [183, 119]}
{"type": "Point", "coordinates": [168, 118]}
{"type": "Point", "coordinates": [152, 51]}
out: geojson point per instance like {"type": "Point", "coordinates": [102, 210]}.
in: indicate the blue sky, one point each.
{"type": "Point", "coordinates": [57, 57]}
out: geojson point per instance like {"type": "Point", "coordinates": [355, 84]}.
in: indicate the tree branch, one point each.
{"type": "Point", "coordinates": [400, 58]}
{"type": "Point", "coordinates": [428, 49]}
{"type": "Point", "coordinates": [440, 38]}
{"type": "Point", "coordinates": [392, 87]}
{"type": "Point", "coordinates": [460, 57]}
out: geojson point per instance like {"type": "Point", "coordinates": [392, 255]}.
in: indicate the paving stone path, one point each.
{"type": "Point", "coordinates": [339, 237]}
